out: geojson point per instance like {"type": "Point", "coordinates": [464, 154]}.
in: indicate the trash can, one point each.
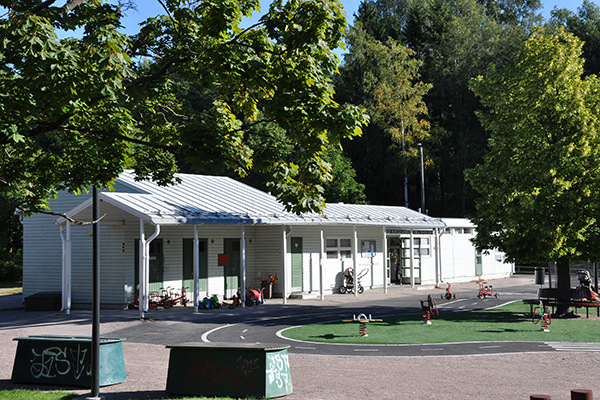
{"type": "Point", "coordinates": [539, 275]}
{"type": "Point", "coordinates": [67, 360]}
{"type": "Point", "coordinates": [229, 369]}
{"type": "Point", "coordinates": [43, 301]}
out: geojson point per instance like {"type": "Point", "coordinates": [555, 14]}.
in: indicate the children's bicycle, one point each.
{"type": "Point", "coordinates": [485, 291]}
{"type": "Point", "coordinates": [180, 298]}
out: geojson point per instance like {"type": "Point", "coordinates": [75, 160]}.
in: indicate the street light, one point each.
{"type": "Point", "coordinates": [422, 180]}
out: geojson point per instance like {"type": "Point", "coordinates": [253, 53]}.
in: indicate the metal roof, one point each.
{"type": "Point", "coordinates": [201, 199]}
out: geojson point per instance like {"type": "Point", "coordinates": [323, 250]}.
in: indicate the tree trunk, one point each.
{"type": "Point", "coordinates": [563, 284]}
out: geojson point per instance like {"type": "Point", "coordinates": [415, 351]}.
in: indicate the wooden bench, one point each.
{"type": "Point", "coordinates": [578, 298]}
{"type": "Point", "coordinates": [583, 298]}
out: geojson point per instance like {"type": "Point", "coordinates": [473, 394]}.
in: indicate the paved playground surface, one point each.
{"type": "Point", "coordinates": [506, 376]}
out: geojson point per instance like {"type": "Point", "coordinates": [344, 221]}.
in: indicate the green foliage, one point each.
{"type": "Point", "coordinates": [75, 112]}
{"type": "Point", "coordinates": [21, 394]}
{"type": "Point", "coordinates": [383, 76]}
{"type": "Point", "coordinates": [585, 24]}
{"type": "Point", "coordinates": [451, 42]}
{"type": "Point", "coordinates": [540, 180]}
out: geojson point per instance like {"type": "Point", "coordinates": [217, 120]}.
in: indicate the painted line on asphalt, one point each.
{"type": "Point", "coordinates": [489, 347]}
{"type": "Point", "coordinates": [305, 348]}
{"type": "Point", "coordinates": [366, 349]}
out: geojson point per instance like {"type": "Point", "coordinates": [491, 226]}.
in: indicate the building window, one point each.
{"type": "Point", "coordinates": [421, 247]}
{"type": "Point", "coordinates": [339, 248]}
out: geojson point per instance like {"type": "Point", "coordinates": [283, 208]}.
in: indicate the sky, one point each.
{"type": "Point", "coordinates": [151, 8]}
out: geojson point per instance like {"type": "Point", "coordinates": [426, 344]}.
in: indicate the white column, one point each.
{"type": "Point", "coordinates": [283, 263]}
{"type": "Point", "coordinates": [147, 265]}
{"type": "Point", "coordinates": [412, 260]}
{"type": "Point", "coordinates": [196, 269]}
{"type": "Point", "coordinates": [321, 264]}
{"type": "Point", "coordinates": [385, 261]}
{"type": "Point", "coordinates": [243, 247]}
{"type": "Point", "coordinates": [437, 260]}
{"type": "Point", "coordinates": [355, 260]}
{"type": "Point", "coordinates": [142, 296]}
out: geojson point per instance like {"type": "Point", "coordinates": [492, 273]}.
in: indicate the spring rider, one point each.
{"type": "Point", "coordinates": [540, 313]}
{"type": "Point", "coordinates": [429, 309]}
{"type": "Point", "coordinates": [362, 320]}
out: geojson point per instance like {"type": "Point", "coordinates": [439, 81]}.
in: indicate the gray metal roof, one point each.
{"type": "Point", "coordinates": [201, 199]}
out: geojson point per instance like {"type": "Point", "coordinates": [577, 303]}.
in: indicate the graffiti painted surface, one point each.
{"type": "Point", "coordinates": [52, 361]}
{"type": "Point", "coordinates": [278, 371]}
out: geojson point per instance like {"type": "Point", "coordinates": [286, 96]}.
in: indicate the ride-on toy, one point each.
{"type": "Point", "coordinates": [448, 295]}
{"type": "Point", "coordinates": [349, 281]}
{"type": "Point", "coordinates": [485, 291]}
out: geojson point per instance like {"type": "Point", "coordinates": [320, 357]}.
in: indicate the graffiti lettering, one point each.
{"type": "Point", "coordinates": [278, 370]}
{"type": "Point", "coordinates": [53, 361]}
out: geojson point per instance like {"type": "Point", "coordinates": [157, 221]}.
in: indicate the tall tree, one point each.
{"type": "Point", "coordinates": [384, 78]}
{"type": "Point", "coordinates": [75, 112]}
{"type": "Point", "coordinates": [540, 182]}
{"type": "Point", "coordinates": [585, 24]}
{"type": "Point", "coordinates": [454, 41]}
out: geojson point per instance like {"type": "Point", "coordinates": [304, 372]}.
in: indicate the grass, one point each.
{"type": "Point", "coordinates": [510, 322]}
{"type": "Point", "coordinates": [20, 394]}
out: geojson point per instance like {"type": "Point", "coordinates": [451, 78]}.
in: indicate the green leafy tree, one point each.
{"type": "Point", "coordinates": [540, 182]}
{"type": "Point", "coordinates": [76, 111]}
{"type": "Point", "coordinates": [383, 76]}
{"type": "Point", "coordinates": [585, 24]}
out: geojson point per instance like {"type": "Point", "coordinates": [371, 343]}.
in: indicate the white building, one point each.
{"type": "Point", "coordinates": [176, 237]}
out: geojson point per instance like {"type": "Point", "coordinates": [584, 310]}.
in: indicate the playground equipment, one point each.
{"type": "Point", "coordinates": [349, 281]}
{"type": "Point", "coordinates": [448, 295]}
{"type": "Point", "coordinates": [485, 291]}
{"type": "Point", "coordinates": [540, 313]}
{"type": "Point", "coordinates": [362, 320]}
{"type": "Point", "coordinates": [429, 309]}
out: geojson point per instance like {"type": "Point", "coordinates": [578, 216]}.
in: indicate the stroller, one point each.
{"type": "Point", "coordinates": [348, 286]}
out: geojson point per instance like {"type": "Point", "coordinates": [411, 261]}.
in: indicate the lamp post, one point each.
{"type": "Point", "coordinates": [422, 180]}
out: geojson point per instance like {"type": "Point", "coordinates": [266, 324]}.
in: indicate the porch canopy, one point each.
{"type": "Point", "coordinates": [216, 200]}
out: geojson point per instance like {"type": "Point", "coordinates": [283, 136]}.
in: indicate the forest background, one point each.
{"type": "Point", "coordinates": [409, 64]}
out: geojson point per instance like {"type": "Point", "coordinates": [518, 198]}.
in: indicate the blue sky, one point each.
{"type": "Point", "coordinates": [151, 8]}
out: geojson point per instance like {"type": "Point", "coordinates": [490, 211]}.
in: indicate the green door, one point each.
{"type": "Point", "coordinates": [296, 243]}
{"type": "Point", "coordinates": [156, 267]}
{"type": "Point", "coordinates": [232, 271]}
{"type": "Point", "coordinates": [188, 266]}
{"type": "Point", "coordinates": [478, 264]}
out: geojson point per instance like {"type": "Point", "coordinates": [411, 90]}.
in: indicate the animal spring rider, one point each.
{"type": "Point", "coordinates": [448, 295]}
{"type": "Point", "coordinates": [540, 313]}
{"type": "Point", "coordinates": [429, 309]}
{"type": "Point", "coordinates": [362, 320]}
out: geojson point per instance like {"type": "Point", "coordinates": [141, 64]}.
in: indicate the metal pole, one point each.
{"type": "Point", "coordinates": [95, 298]}
{"type": "Point", "coordinates": [422, 181]}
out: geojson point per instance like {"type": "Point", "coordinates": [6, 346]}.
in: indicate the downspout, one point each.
{"type": "Point", "coordinates": [355, 260]}
{"type": "Point", "coordinates": [66, 267]}
{"type": "Point", "coordinates": [147, 264]}
{"type": "Point", "coordinates": [196, 270]}
{"type": "Point", "coordinates": [321, 266]}
{"type": "Point", "coordinates": [385, 261]}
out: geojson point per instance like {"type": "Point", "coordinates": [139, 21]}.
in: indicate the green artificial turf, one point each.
{"type": "Point", "coordinates": [511, 322]}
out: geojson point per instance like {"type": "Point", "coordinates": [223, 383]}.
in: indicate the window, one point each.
{"type": "Point", "coordinates": [339, 248]}
{"type": "Point", "coordinates": [421, 247]}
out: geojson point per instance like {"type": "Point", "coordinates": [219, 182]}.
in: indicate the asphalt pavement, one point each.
{"type": "Point", "coordinates": [503, 370]}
